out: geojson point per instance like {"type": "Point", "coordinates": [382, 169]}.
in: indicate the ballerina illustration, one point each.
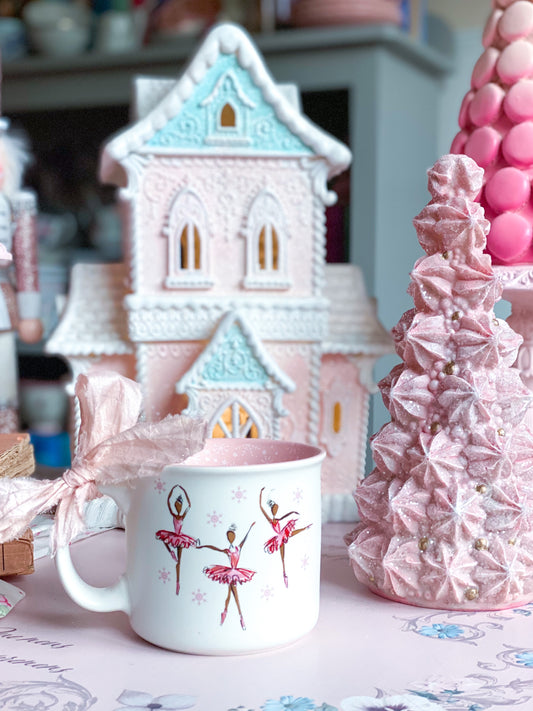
{"type": "Point", "coordinates": [175, 541]}
{"type": "Point", "coordinates": [283, 533]}
{"type": "Point", "coordinates": [230, 575]}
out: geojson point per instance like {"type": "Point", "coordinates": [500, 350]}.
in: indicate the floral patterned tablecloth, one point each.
{"type": "Point", "coordinates": [366, 654]}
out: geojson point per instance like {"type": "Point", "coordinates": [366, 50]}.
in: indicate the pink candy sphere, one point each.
{"type": "Point", "coordinates": [496, 122]}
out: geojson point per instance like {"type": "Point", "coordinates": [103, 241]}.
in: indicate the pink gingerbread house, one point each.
{"type": "Point", "coordinates": [225, 307]}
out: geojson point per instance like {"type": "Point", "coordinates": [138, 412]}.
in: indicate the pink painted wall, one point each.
{"type": "Point", "coordinates": [339, 383]}
{"type": "Point", "coordinates": [165, 364]}
{"type": "Point", "coordinates": [227, 188]}
{"type": "Point", "coordinates": [295, 361]}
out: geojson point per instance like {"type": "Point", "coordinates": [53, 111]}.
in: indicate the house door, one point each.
{"type": "Point", "coordinates": [234, 420]}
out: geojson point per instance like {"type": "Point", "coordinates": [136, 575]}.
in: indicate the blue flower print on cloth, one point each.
{"type": "Point", "coordinates": [525, 659]}
{"type": "Point", "coordinates": [141, 701]}
{"type": "Point", "coordinates": [289, 703]}
{"type": "Point", "coordinates": [442, 631]}
{"type": "Point", "coordinates": [404, 702]}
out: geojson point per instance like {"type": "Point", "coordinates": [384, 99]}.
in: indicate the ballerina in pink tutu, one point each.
{"type": "Point", "coordinates": [230, 575]}
{"type": "Point", "coordinates": [283, 533]}
{"type": "Point", "coordinates": [175, 541]}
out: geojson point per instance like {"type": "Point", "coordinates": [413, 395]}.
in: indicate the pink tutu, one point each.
{"type": "Point", "coordinates": [282, 536]}
{"type": "Point", "coordinates": [229, 576]}
{"type": "Point", "coordinates": [176, 540]}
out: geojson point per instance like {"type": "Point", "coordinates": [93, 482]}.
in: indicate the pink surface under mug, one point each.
{"type": "Point", "coordinates": [223, 550]}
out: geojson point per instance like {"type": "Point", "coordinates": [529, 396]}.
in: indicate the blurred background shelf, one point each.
{"type": "Point", "coordinates": [308, 57]}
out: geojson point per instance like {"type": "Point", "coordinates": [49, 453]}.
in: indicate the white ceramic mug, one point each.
{"type": "Point", "coordinates": [223, 550]}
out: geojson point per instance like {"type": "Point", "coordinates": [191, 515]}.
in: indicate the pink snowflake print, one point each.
{"type": "Point", "coordinates": [199, 597]}
{"type": "Point", "coordinates": [267, 593]}
{"type": "Point", "coordinates": [164, 575]}
{"type": "Point", "coordinates": [215, 519]}
{"type": "Point", "coordinates": [159, 486]}
{"type": "Point", "coordinates": [238, 494]}
{"type": "Point", "coordinates": [298, 495]}
{"type": "Point", "coordinates": [305, 562]}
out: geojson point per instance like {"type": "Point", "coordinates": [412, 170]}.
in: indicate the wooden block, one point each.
{"type": "Point", "coordinates": [16, 459]}
{"type": "Point", "coordinates": [16, 455]}
{"type": "Point", "coordinates": [16, 557]}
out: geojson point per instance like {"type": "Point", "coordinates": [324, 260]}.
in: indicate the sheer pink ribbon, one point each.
{"type": "Point", "coordinates": [113, 447]}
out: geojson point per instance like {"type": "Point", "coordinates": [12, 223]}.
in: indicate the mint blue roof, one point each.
{"type": "Point", "coordinates": [233, 363]}
{"type": "Point", "coordinates": [265, 133]}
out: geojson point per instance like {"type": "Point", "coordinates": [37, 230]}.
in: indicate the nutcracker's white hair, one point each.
{"type": "Point", "coordinates": [14, 157]}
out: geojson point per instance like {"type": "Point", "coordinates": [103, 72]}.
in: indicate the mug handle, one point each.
{"type": "Point", "coordinates": [107, 599]}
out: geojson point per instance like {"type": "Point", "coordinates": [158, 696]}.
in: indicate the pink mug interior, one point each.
{"type": "Point", "coordinates": [236, 452]}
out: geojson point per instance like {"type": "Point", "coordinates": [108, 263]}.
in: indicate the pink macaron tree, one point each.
{"type": "Point", "coordinates": [446, 517]}
{"type": "Point", "coordinates": [496, 130]}
{"type": "Point", "coordinates": [496, 122]}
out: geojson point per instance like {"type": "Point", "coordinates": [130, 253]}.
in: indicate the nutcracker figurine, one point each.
{"type": "Point", "coordinates": [20, 301]}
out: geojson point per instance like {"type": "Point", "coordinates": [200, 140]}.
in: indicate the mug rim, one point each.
{"type": "Point", "coordinates": [314, 455]}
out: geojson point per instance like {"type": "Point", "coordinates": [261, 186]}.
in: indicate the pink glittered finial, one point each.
{"type": "Point", "coordinates": [455, 176]}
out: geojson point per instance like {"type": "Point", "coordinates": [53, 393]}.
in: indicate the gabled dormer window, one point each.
{"type": "Point", "coordinates": [187, 232]}
{"type": "Point", "coordinates": [227, 112]}
{"type": "Point", "coordinates": [266, 244]}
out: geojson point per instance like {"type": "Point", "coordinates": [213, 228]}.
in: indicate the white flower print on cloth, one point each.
{"type": "Point", "coordinates": [405, 702]}
{"type": "Point", "coordinates": [141, 701]}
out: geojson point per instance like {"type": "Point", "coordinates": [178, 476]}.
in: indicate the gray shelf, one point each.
{"type": "Point", "coordinates": [39, 83]}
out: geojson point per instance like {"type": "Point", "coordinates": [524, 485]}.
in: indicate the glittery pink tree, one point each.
{"type": "Point", "coordinates": [447, 514]}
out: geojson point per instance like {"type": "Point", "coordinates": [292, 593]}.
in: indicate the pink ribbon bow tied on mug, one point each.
{"type": "Point", "coordinates": [113, 447]}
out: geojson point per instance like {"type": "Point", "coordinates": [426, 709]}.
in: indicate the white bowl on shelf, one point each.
{"type": "Point", "coordinates": [57, 28]}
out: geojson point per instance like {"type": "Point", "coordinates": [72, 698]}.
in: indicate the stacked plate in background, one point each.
{"type": "Point", "coordinates": [307, 13]}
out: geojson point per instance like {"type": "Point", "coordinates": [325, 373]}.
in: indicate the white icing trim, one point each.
{"type": "Point", "coordinates": [238, 89]}
{"type": "Point", "coordinates": [134, 167]}
{"type": "Point", "coordinates": [141, 366]}
{"type": "Point", "coordinates": [224, 39]}
{"type": "Point", "coordinates": [173, 302]}
{"type": "Point", "coordinates": [192, 320]}
{"type": "Point", "coordinates": [313, 423]}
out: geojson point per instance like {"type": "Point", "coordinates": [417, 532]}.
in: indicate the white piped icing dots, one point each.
{"type": "Point", "coordinates": [496, 122]}
{"type": "Point", "coordinates": [446, 517]}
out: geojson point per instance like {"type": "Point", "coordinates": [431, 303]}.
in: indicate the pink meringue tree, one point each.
{"type": "Point", "coordinates": [447, 514]}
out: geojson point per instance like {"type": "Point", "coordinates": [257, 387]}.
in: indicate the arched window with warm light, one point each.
{"type": "Point", "coordinates": [336, 420]}
{"type": "Point", "coordinates": [235, 420]}
{"type": "Point", "coordinates": [266, 244]}
{"type": "Point", "coordinates": [190, 248]}
{"type": "Point", "coordinates": [228, 117]}
{"type": "Point", "coordinates": [187, 232]}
